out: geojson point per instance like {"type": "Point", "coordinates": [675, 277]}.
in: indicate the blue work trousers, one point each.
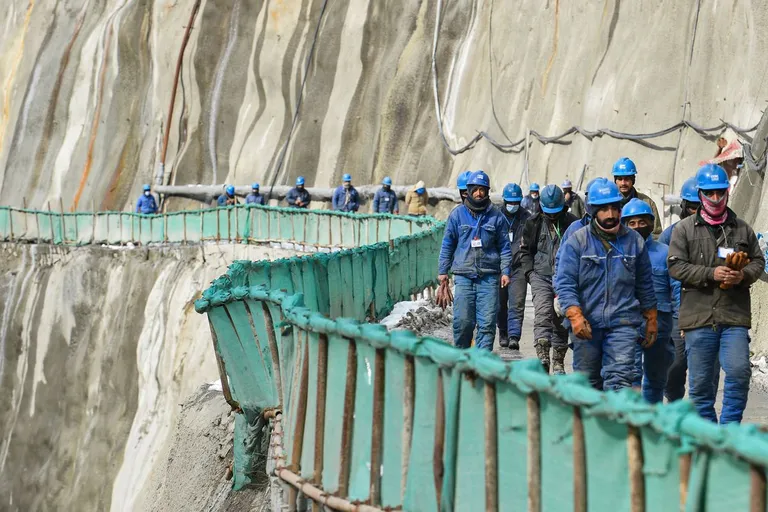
{"type": "Point", "coordinates": [476, 301]}
{"type": "Point", "coordinates": [704, 346]}
{"type": "Point", "coordinates": [512, 306]}
{"type": "Point", "coordinates": [608, 359]}
{"type": "Point", "coordinates": [654, 362]}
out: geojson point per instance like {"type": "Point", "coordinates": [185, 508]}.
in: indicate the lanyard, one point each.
{"type": "Point", "coordinates": [479, 221]}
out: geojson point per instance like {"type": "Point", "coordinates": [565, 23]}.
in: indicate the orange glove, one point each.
{"type": "Point", "coordinates": [735, 261]}
{"type": "Point", "coordinates": [579, 325]}
{"type": "Point", "coordinates": [651, 328]}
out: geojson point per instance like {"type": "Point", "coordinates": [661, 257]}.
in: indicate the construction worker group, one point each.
{"type": "Point", "coordinates": [639, 308]}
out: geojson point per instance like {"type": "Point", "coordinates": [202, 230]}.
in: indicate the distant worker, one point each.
{"type": "Point", "coordinates": [345, 197]}
{"type": "Point", "coordinates": [531, 201]}
{"type": "Point", "coordinates": [228, 198]}
{"type": "Point", "coordinates": [675, 390]}
{"type": "Point", "coordinates": [654, 361]}
{"type": "Point", "coordinates": [573, 201]}
{"type": "Point", "coordinates": [541, 240]}
{"type": "Point", "coordinates": [512, 298]}
{"type": "Point", "coordinates": [417, 199]}
{"type": "Point", "coordinates": [146, 203]}
{"type": "Point", "coordinates": [385, 199]}
{"type": "Point", "coordinates": [729, 156]}
{"type": "Point", "coordinates": [298, 197]}
{"type": "Point", "coordinates": [624, 175]}
{"type": "Point", "coordinates": [476, 250]}
{"type": "Point", "coordinates": [461, 184]}
{"type": "Point", "coordinates": [716, 257]}
{"type": "Point", "coordinates": [603, 286]}
{"type": "Point", "coordinates": [254, 197]}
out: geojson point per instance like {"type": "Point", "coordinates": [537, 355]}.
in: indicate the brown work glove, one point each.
{"type": "Point", "coordinates": [579, 325]}
{"type": "Point", "coordinates": [444, 293]}
{"type": "Point", "coordinates": [651, 328]}
{"type": "Point", "coordinates": [735, 261]}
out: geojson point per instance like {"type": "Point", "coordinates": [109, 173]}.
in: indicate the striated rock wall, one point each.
{"type": "Point", "coordinates": [86, 87]}
{"type": "Point", "coordinates": [98, 347]}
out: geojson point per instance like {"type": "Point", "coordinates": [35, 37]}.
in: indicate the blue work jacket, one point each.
{"type": "Point", "coordinates": [574, 227]}
{"type": "Point", "coordinates": [339, 196]}
{"type": "Point", "coordinates": [662, 283]}
{"type": "Point", "coordinates": [462, 227]}
{"type": "Point", "coordinates": [677, 286]}
{"type": "Point", "coordinates": [254, 199]}
{"type": "Point", "coordinates": [384, 201]}
{"type": "Point", "coordinates": [611, 287]}
{"type": "Point", "coordinates": [298, 194]}
{"type": "Point", "coordinates": [146, 204]}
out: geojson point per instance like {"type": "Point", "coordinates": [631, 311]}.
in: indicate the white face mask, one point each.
{"type": "Point", "coordinates": [512, 208]}
{"type": "Point", "coordinates": [146, 193]}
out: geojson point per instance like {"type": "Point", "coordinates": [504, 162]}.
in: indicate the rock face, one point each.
{"type": "Point", "coordinates": [98, 347]}
{"type": "Point", "coordinates": [86, 90]}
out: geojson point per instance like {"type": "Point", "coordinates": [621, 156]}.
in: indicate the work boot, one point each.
{"type": "Point", "coordinates": [558, 360]}
{"type": "Point", "coordinates": [542, 352]}
{"type": "Point", "coordinates": [514, 344]}
{"type": "Point", "coordinates": [503, 341]}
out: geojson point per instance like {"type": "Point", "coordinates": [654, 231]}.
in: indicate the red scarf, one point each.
{"type": "Point", "coordinates": [714, 213]}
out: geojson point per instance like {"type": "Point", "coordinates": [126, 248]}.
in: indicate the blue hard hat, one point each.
{"type": "Point", "coordinates": [624, 167]}
{"type": "Point", "coordinates": [512, 193]}
{"type": "Point", "coordinates": [635, 208]}
{"type": "Point", "coordinates": [567, 183]}
{"type": "Point", "coordinates": [711, 177]}
{"type": "Point", "coordinates": [420, 190]}
{"type": "Point", "coordinates": [300, 180]}
{"type": "Point", "coordinates": [146, 188]}
{"type": "Point", "coordinates": [603, 192]}
{"type": "Point", "coordinates": [479, 178]}
{"type": "Point", "coordinates": [255, 186]}
{"type": "Point", "coordinates": [230, 190]}
{"type": "Point", "coordinates": [346, 177]}
{"type": "Point", "coordinates": [461, 181]}
{"type": "Point", "coordinates": [690, 192]}
{"type": "Point", "coordinates": [534, 187]}
{"type": "Point", "coordinates": [589, 185]}
{"type": "Point", "coordinates": [386, 181]}
{"type": "Point", "coordinates": [552, 199]}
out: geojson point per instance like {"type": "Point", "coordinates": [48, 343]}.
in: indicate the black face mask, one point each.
{"type": "Point", "coordinates": [477, 205]}
{"type": "Point", "coordinates": [645, 232]}
{"type": "Point", "coordinates": [685, 206]}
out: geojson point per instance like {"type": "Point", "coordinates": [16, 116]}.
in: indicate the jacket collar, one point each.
{"type": "Point", "coordinates": [730, 221]}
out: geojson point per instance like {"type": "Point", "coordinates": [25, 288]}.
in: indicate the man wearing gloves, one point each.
{"type": "Point", "coordinates": [476, 250]}
{"type": "Point", "coordinates": [654, 361]}
{"type": "Point", "coordinates": [716, 257]}
{"type": "Point", "coordinates": [385, 199]}
{"type": "Point", "coordinates": [603, 287]}
{"type": "Point", "coordinates": [298, 197]}
{"type": "Point", "coordinates": [512, 298]}
{"type": "Point", "coordinates": [345, 197]}
{"type": "Point", "coordinates": [538, 249]}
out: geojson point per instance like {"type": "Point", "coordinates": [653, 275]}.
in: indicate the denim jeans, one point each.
{"type": "Point", "coordinates": [608, 359]}
{"type": "Point", "coordinates": [475, 304]}
{"type": "Point", "coordinates": [512, 306]}
{"type": "Point", "coordinates": [704, 347]}
{"type": "Point", "coordinates": [653, 363]}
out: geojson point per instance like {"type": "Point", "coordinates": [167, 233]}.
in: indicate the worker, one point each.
{"type": "Point", "coordinates": [461, 184]}
{"type": "Point", "coordinates": [624, 175]}
{"type": "Point", "coordinates": [653, 362]}
{"type": "Point", "coordinates": [512, 298]}
{"type": "Point", "coordinates": [254, 197]}
{"type": "Point", "coordinates": [531, 201]}
{"type": "Point", "coordinates": [538, 248]}
{"type": "Point", "coordinates": [417, 199]}
{"type": "Point", "coordinates": [385, 200]}
{"type": "Point", "coordinates": [146, 203]}
{"type": "Point", "coordinates": [298, 197]}
{"type": "Point", "coordinates": [715, 304]}
{"type": "Point", "coordinates": [729, 156]}
{"type": "Point", "coordinates": [573, 201]}
{"type": "Point", "coordinates": [603, 286]}
{"type": "Point", "coordinates": [345, 197]}
{"type": "Point", "coordinates": [675, 390]}
{"type": "Point", "coordinates": [228, 198]}
{"type": "Point", "coordinates": [476, 250]}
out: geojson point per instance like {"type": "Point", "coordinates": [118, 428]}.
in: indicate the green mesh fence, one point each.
{"type": "Point", "coordinates": [395, 420]}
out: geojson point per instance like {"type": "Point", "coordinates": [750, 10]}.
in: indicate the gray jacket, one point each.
{"type": "Point", "coordinates": [693, 256]}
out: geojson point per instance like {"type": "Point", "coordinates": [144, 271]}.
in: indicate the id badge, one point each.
{"type": "Point", "coordinates": [723, 252]}
{"type": "Point", "coordinates": [511, 237]}
{"type": "Point", "coordinates": [476, 242]}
